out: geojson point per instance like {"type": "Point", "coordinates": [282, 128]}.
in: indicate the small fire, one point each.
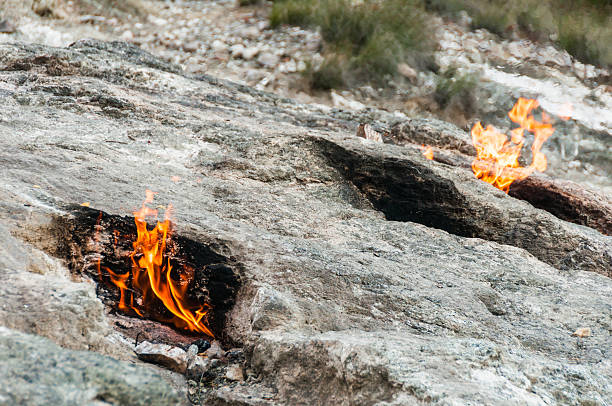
{"type": "Point", "coordinates": [497, 156]}
{"type": "Point", "coordinates": [427, 151]}
{"type": "Point", "coordinates": [150, 280]}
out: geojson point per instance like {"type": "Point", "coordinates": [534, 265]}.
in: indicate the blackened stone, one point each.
{"type": "Point", "coordinates": [202, 345]}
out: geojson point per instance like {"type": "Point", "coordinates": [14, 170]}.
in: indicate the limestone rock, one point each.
{"type": "Point", "coordinates": [406, 71]}
{"type": "Point", "coordinates": [170, 357]}
{"type": "Point", "coordinates": [250, 52]}
{"type": "Point", "coordinates": [234, 373]}
{"type": "Point", "coordinates": [37, 372]}
{"type": "Point", "coordinates": [370, 275]}
{"type": "Point", "coordinates": [267, 59]}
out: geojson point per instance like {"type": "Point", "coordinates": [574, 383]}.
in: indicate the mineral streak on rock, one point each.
{"type": "Point", "coordinates": [371, 276]}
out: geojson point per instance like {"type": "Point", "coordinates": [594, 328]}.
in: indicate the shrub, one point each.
{"type": "Point", "coordinates": [243, 3]}
{"type": "Point", "coordinates": [363, 41]}
{"type": "Point", "coordinates": [452, 85]}
{"type": "Point", "coordinates": [582, 27]}
{"type": "Point", "coordinates": [292, 12]}
{"type": "Point", "coordinates": [327, 76]}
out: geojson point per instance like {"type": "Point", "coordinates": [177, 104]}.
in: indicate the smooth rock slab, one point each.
{"type": "Point", "coordinates": [34, 371]}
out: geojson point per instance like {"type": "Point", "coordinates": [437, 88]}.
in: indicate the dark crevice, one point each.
{"type": "Point", "coordinates": [566, 201]}
{"type": "Point", "coordinates": [86, 235]}
{"type": "Point", "coordinates": [405, 189]}
{"type": "Point", "coordinates": [563, 199]}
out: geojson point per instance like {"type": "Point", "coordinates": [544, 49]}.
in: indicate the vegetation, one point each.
{"type": "Point", "coordinates": [364, 41]}
{"type": "Point", "coordinates": [452, 85]}
{"type": "Point", "coordinates": [105, 7]}
{"type": "Point", "coordinates": [582, 27]}
{"type": "Point", "coordinates": [248, 2]}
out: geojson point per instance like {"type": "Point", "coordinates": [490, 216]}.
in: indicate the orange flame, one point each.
{"type": "Point", "coordinates": [150, 280]}
{"type": "Point", "coordinates": [427, 151]}
{"type": "Point", "coordinates": [497, 157]}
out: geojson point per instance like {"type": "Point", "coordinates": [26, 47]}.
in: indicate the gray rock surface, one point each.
{"type": "Point", "coordinates": [39, 297]}
{"type": "Point", "coordinates": [432, 132]}
{"type": "Point", "coordinates": [406, 187]}
{"type": "Point", "coordinates": [340, 304]}
{"type": "Point", "coordinates": [36, 371]}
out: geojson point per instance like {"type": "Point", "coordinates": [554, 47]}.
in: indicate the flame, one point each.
{"type": "Point", "coordinates": [497, 157]}
{"type": "Point", "coordinates": [150, 280]}
{"type": "Point", "coordinates": [427, 151]}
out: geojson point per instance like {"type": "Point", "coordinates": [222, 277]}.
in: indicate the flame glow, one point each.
{"type": "Point", "coordinates": [427, 151]}
{"type": "Point", "coordinates": [497, 156]}
{"type": "Point", "coordinates": [150, 279]}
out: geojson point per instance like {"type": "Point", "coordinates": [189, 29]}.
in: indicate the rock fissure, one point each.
{"type": "Point", "coordinates": [336, 304]}
{"type": "Point", "coordinates": [407, 188]}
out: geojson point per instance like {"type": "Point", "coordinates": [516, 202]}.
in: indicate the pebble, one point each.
{"type": "Point", "coordinates": [345, 103]}
{"type": "Point", "coordinates": [290, 66]}
{"type": "Point", "coordinates": [127, 36]}
{"type": "Point", "coordinates": [218, 46]}
{"type": "Point", "coordinates": [6, 27]}
{"type": "Point", "coordinates": [237, 50]}
{"type": "Point", "coordinates": [202, 345]}
{"type": "Point", "coordinates": [215, 351]}
{"type": "Point", "coordinates": [197, 368]}
{"type": "Point", "coordinates": [191, 46]}
{"type": "Point", "coordinates": [268, 59]}
{"type": "Point", "coordinates": [234, 373]}
{"type": "Point", "coordinates": [254, 75]}
{"type": "Point", "coordinates": [173, 358]}
{"type": "Point", "coordinates": [251, 32]}
{"type": "Point", "coordinates": [582, 332]}
{"type": "Point", "coordinates": [192, 352]}
{"type": "Point", "coordinates": [160, 22]}
{"type": "Point", "coordinates": [250, 53]}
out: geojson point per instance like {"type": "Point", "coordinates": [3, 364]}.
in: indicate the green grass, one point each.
{"type": "Point", "coordinates": [582, 27]}
{"type": "Point", "coordinates": [363, 42]}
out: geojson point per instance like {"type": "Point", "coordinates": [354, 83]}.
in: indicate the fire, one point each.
{"type": "Point", "coordinates": [150, 280]}
{"type": "Point", "coordinates": [497, 156]}
{"type": "Point", "coordinates": [427, 151]}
